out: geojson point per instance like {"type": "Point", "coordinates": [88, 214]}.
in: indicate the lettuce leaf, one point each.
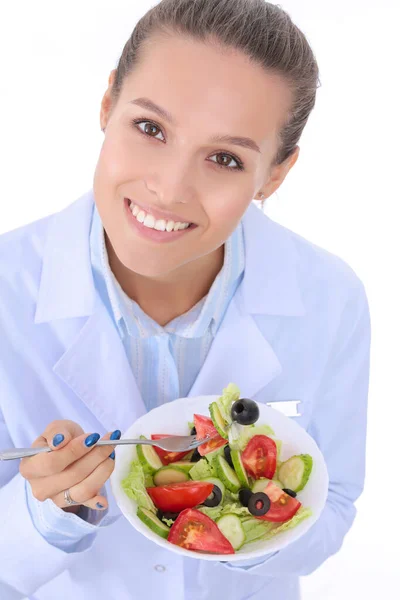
{"type": "Point", "coordinates": [134, 486]}
{"type": "Point", "coordinates": [244, 435]}
{"type": "Point", "coordinates": [256, 530]}
{"type": "Point", "coordinates": [214, 512]}
{"type": "Point", "coordinates": [201, 470]}
{"type": "Point", "coordinates": [229, 395]}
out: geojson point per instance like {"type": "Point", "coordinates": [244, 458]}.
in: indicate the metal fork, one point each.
{"type": "Point", "coordinates": [172, 444]}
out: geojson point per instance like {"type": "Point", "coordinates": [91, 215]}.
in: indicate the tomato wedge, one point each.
{"type": "Point", "coordinates": [165, 456]}
{"type": "Point", "coordinates": [259, 457]}
{"type": "Point", "coordinates": [195, 531]}
{"type": "Point", "coordinates": [178, 496]}
{"type": "Point", "coordinates": [283, 507]}
{"type": "Point", "coordinates": [205, 427]}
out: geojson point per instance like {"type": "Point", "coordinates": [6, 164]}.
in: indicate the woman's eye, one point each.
{"type": "Point", "coordinates": [226, 160]}
{"type": "Point", "coordinates": [149, 128]}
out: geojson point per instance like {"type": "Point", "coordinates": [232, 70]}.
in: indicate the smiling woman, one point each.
{"type": "Point", "coordinates": [166, 281]}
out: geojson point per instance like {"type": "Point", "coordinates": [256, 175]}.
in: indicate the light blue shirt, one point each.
{"type": "Point", "coordinates": [165, 360]}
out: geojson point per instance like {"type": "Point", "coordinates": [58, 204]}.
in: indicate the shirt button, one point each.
{"type": "Point", "coordinates": [160, 568]}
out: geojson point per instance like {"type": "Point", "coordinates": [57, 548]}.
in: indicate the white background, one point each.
{"type": "Point", "coordinates": [343, 193]}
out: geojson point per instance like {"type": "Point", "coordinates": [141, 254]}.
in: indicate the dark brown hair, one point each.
{"type": "Point", "coordinates": [263, 31]}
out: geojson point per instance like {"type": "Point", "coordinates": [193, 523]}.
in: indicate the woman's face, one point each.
{"type": "Point", "coordinates": [165, 162]}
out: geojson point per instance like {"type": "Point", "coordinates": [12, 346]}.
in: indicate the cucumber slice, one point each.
{"type": "Point", "coordinates": [218, 420]}
{"type": "Point", "coordinates": [218, 483]}
{"type": "Point", "coordinates": [295, 472]}
{"type": "Point", "coordinates": [239, 468]}
{"type": "Point", "coordinates": [261, 484]}
{"type": "Point", "coordinates": [184, 465]}
{"type": "Point", "coordinates": [148, 458]}
{"type": "Point", "coordinates": [168, 474]}
{"type": "Point", "coordinates": [153, 522]}
{"type": "Point", "coordinates": [227, 475]}
{"type": "Point", "coordinates": [231, 527]}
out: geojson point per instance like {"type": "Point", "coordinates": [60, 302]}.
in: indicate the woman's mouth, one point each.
{"type": "Point", "coordinates": [152, 226]}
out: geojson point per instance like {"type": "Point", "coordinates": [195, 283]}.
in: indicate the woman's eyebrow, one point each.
{"type": "Point", "coordinates": [244, 142]}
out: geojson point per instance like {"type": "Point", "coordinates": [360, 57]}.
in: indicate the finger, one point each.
{"type": "Point", "coordinates": [85, 491]}
{"type": "Point", "coordinates": [56, 435]}
{"type": "Point", "coordinates": [50, 486]}
{"type": "Point", "coordinates": [52, 463]}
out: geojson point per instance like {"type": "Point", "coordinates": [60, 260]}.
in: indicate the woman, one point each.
{"type": "Point", "coordinates": [166, 281]}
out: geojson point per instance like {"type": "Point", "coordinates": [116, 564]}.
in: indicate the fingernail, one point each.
{"type": "Point", "coordinates": [115, 435]}
{"type": "Point", "coordinates": [92, 439]}
{"type": "Point", "coordinates": [57, 439]}
{"type": "Point", "coordinates": [112, 455]}
{"type": "Point", "coordinates": [99, 505]}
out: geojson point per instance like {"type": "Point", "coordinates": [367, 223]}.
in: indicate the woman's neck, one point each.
{"type": "Point", "coordinates": [180, 291]}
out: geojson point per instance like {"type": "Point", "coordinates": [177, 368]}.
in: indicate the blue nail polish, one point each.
{"type": "Point", "coordinates": [99, 505]}
{"type": "Point", "coordinates": [115, 435]}
{"type": "Point", "coordinates": [112, 455]}
{"type": "Point", "coordinates": [92, 439]}
{"type": "Point", "coordinates": [57, 439]}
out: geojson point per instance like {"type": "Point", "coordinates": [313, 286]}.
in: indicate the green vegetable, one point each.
{"type": "Point", "coordinates": [227, 475]}
{"type": "Point", "coordinates": [295, 472]}
{"type": "Point", "coordinates": [249, 431]}
{"type": "Point", "coordinates": [153, 522]}
{"type": "Point", "coordinates": [219, 422]}
{"type": "Point", "coordinates": [201, 470]}
{"type": "Point", "coordinates": [229, 395]}
{"type": "Point", "coordinates": [216, 512]}
{"type": "Point", "coordinates": [148, 458]}
{"type": "Point", "coordinates": [134, 486]}
{"type": "Point", "coordinates": [211, 457]}
{"type": "Point", "coordinates": [256, 530]}
{"type": "Point", "coordinates": [231, 527]}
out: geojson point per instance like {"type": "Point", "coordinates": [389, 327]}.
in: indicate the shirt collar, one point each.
{"type": "Point", "coordinates": [208, 312]}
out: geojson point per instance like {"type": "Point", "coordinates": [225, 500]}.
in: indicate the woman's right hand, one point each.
{"type": "Point", "coordinates": [74, 464]}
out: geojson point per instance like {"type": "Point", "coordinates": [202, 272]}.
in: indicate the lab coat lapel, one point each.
{"type": "Point", "coordinates": [239, 354]}
{"type": "Point", "coordinates": [94, 364]}
{"type": "Point", "coordinates": [96, 368]}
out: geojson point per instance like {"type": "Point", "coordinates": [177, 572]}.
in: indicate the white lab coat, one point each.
{"type": "Point", "coordinates": [297, 328]}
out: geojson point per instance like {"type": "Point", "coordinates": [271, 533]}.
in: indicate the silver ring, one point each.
{"type": "Point", "coordinates": [68, 499]}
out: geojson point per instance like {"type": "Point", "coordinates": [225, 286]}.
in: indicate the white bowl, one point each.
{"type": "Point", "coordinates": [173, 418]}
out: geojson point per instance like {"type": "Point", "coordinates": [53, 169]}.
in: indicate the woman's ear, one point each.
{"type": "Point", "coordinates": [277, 175]}
{"type": "Point", "coordinates": [106, 103]}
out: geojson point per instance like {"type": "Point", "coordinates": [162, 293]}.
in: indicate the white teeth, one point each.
{"type": "Point", "coordinates": [149, 221]}
{"type": "Point", "coordinates": [160, 224]}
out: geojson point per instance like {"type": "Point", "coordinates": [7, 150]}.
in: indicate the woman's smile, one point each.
{"type": "Point", "coordinates": [155, 225]}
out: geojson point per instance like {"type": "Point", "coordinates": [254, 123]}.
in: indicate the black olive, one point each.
{"type": "Point", "coordinates": [228, 458]}
{"type": "Point", "coordinates": [196, 456]}
{"type": "Point", "coordinates": [193, 431]}
{"type": "Point", "coordinates": [245, 412]}
{"type": "Point", "coordinates": [259, 504]}
{"type": "Point", "coordinates": [167, 515]}
{"type": "Point", "coordinates": [214, 498]}
{"type": "Point", "coordinates": [244, 496]}
{"type": "Point", "coordinates": [289, 492]}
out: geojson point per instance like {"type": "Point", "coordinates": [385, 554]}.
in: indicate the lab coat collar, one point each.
{"type": "Point", "coordinates": [270, 285]}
